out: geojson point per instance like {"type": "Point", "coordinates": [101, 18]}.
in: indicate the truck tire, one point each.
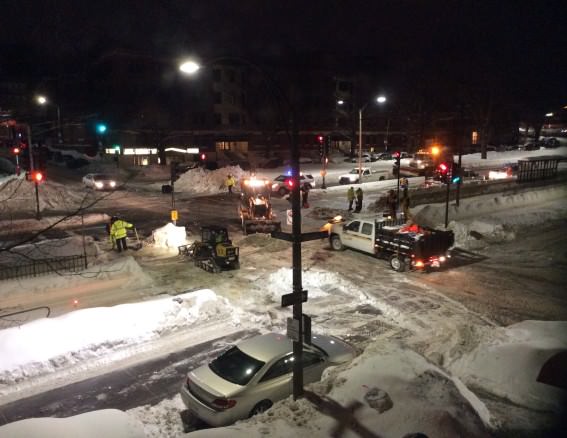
{"type": "Point", "coordinates": [397, 263]}
{"type": "Point", "coordinates": [336, 243]}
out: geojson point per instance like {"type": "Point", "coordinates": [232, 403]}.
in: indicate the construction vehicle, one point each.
{"type": "Point", "coordinates": [214, 252]}
{"type": "Point", "coordinates": [255, 207]}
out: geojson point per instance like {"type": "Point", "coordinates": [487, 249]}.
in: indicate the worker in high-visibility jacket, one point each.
{"type": "Point", "coordinates": [118, 231]}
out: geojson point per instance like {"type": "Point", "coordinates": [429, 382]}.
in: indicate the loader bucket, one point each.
{"type": "Point", "coordinates": [261, 226]}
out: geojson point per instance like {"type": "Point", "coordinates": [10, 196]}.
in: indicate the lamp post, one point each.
{"type": "Point", "coordinates": [380, 100]}
{"type": "Point", "coordinates": [42, 100]}
{"type": "Point", "coordinates": [297, 297]}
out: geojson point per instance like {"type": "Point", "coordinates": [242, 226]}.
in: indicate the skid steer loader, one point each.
{"type": "Point", "coordinates": [214, 252]}
{"type": "Point", "coordinates": [255, 208]}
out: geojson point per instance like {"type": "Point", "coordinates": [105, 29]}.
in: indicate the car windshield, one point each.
{"type": "Point", "coordinates": [236, 366]}
{"type": "Point", "coordinates": [100, 177]}
{"type": "Point", "coordinates": [354, 171]}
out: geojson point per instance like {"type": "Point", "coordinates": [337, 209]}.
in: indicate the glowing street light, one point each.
{"type": "Point", "coordinates": [549, 115]}
{"type": "Point", "coordinates": [189, 67]}
{"type": "Point", "coordinates": [435, 150]}
{"type": "Point", "coordinates": [340, 102]}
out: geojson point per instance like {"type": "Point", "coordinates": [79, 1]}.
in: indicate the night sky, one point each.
{"type": "Point", "coordinates": [521, 43]}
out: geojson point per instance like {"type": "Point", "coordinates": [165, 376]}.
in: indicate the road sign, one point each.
{"type": "Point", "coordinates": [293, 329]}
{"type": "Point", "coordinates": [289, 299]}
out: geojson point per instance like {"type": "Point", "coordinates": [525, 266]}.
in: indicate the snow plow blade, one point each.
{"type": "Point", "coordinates": [251, 227]}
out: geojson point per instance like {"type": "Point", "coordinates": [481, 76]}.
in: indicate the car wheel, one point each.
{"type": "Point", "coordinates": [261, 407]}
{"type": "Point", "coordinates": [282, 191]}
{"type": "Point", "coordinates": [336, 243]}
{"type": "Point", "coordinates": [397, 263]}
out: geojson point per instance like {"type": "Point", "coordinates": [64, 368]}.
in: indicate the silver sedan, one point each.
{"type": "Point", "coordinates": [98, 181]}
{"type": "Point", "coordinates": [249, 377]}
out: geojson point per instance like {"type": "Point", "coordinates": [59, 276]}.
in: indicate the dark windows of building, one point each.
{"type": "Point", "coordinates": [217, 74]}
{"type": "Point", "coordinates": [234, 119]}
{"type": "Point", "coordinates": [217, 119]}
{"type": "Point", "coordinates": [218, 97]}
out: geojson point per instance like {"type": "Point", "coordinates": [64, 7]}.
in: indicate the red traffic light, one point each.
{"type": "Point", "coordinates": [320, 138]}
{"type": "Point", "coordinates": [396, 154]}
{"type": "Point", "coordinates": [203, 157]}
{"type": "Point", "coordinates": [37, 176]}
{"type": "Point", "coordinates": [443, 168]}
{"type": "Point", "coordinates": [16, 151]}
{"type": "Point", "coordinates": [289, 183]}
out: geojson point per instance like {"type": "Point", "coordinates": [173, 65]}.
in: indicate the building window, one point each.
{"type": "Point", "coordinates": [217, 75]}
{"type": "Point", "coordinates": [218, 97]}
{"type": "Point", "coordinates": [218, 119]}
{"type": "Point", "coordinates": [474, 137]}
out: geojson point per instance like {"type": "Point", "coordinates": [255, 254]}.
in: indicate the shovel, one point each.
{"type": "Point", "coordinates": [138, 245]}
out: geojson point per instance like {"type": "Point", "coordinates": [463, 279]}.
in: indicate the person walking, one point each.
{"type": "Point", "coordinates": [392, 201]}
{"type": "Point", "coordinates": [350, 197]}
{"type": "Point", "coordinates": [230, 183]}
{"type": "Point", "coordinates": [405, 202]}
{"type": "Point", "coordinates": [359, 198]}
{"type": "Point", "coordinates": [118, 232]}
{"type": "Point", "coordinates": [304, 195]}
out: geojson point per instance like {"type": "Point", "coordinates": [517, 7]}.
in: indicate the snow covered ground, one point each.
{"type": "Point", "coordinates": [427, 362]}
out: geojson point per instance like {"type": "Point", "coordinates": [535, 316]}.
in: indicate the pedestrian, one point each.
{"type": "Point", "coordinates": [350, 197]}
{"type": "Point", "coordinates": [118, 232]}
{"type": "Point", "coordinates": [392, 201]}
{"type": "Point", "coordinates": [359, 197]}
{"type": "Point", "coordinates": [405, 203]}
{"type": "Point", "coordinates": [304, 195]}
{"type": "Point", "coordinates": [230, 183]}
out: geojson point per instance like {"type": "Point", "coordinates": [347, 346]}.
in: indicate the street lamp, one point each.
{"type": "Point", "coordinates": [42, 100]}
{"type": "Point", "coordinates": [296, 324]}
{"type": "Point", "coordinates": [380, 100]}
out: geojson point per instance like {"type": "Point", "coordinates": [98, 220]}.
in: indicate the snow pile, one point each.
{"type": "Point", "coordinates": [48, 345]}
{"type": "Point", "coordinates": [169, 236]}
{"type": "Point", "coordinates": [509, 364]}
{"type": "Point", "coordinates": [317, 283]}
{"type": "Point", "coordinates": [109, 423]}
{"type": "Point", "coordinates": [207, 182]}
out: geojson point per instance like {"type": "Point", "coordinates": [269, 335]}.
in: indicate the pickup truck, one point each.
{"type": "Point", "coordinates": [404, 246]}
{"type": "Point", "coordinates": [353, 177]}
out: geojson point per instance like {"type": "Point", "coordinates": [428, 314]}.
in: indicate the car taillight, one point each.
{"type": "Point", "coordinates": [223, 403]}
{"type": "Point", "coordinates": [419, 264]}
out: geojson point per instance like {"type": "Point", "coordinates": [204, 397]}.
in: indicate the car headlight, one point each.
{"type": "Point", "coordinates": [99, 185]}
{"type": "Point", "coordinates": [112, 184]}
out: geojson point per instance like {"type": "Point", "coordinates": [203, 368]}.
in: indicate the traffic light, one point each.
{"type": "Point", "coordinates": [37, 176]}
{"type": "Point", "coordinates": [397, 157]}
{"type": "Point", "coordinates": [456, 177]}
{"type": "Point", "coordinates": [443, 172]}
{"type": "Point", "coordinates": [203, 156]}
{"type": "Point", "coordinates": [16, 150]}
{"type": "Point", "coordinates": [101, 128]}
{"type": "Point", "coordinates": [321, 141]}
{"type": "Point", "coordinates": [289, 184]}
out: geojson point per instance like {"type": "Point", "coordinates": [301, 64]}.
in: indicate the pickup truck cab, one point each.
{"type": "Point", "coordinates": [403, 245]}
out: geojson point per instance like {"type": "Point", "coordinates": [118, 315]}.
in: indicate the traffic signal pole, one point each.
{"type": "Point", "coordinates": [32, 168]}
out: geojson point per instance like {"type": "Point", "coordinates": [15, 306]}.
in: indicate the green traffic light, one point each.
{"type": "Point", "coordinates": [101, 128]}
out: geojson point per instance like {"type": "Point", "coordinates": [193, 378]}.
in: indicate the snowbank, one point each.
{"type": "Point", "coordinates": [509, 364]}
{"type": "Point", "coordinates": [48, 345]}
{"type": "Point", "coordinates": [207, 182]}
{"type": "Point", "coordinates": [108, 423]}
{"type": "Point", "coordinates": [169, 236]}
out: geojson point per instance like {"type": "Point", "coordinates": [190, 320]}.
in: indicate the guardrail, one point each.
{"type": "Point", "coordinates": [35, 268]}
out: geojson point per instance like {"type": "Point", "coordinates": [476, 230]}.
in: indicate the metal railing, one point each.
{"type": "Point", "coordinates": [35, 268]}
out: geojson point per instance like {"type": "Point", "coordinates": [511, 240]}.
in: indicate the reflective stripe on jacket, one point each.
{"type": "Point", "coordinates": [118, 229]}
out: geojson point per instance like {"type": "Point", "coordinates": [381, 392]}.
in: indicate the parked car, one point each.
{"type": "Point", "coordinates": [551, 143]}
{"type": "Point", "coordinates": [384, 156]}
{"type": "Point", "coordinates": [279, 185]}
{"type": "Point", "coordinates": [366, 158]}
{"type": "Point", "coordinates": [250, 377]}
{"type": "Point", "coordinates": [99, 181]}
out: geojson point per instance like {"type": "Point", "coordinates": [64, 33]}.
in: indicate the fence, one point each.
{"type": "Point", "coordinates": [35, 268]}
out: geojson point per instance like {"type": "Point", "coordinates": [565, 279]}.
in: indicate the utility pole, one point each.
{"type": "Point", "coordinates": [32, 168]}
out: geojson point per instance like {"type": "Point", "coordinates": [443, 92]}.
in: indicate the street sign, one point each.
{"type": "Point", "coordinates": [293, 329]}
{"type": "Point", "coordinates": [306, 329]}
{"type": "Point", "coordinates": [174, 215]}
{"type": "Point", "coordinates": [289, 299]}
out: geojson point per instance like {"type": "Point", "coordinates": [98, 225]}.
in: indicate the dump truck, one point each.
{"type": "Point", "coordinates": [255, 208]}
{"type": "Point", "coordinates": [404, 245]}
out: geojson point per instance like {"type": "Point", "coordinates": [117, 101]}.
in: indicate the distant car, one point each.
{"type": "Point", "coordinates": [279, 185]}
{"type": "Point", "coordinates": [99, 181]}
{"type": "Point", "coordinates": [353, 176]}
{"type": "Point", "coordinates": [551, 143]}
{"type": "Point", "coordinates": [385, 156]}
{"type": "Point", "coordinates": [250, 377]}
{"type": "Point", "coordinates": [505, 172]}
{"type": "Point", "coordinates": [366, 158]}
